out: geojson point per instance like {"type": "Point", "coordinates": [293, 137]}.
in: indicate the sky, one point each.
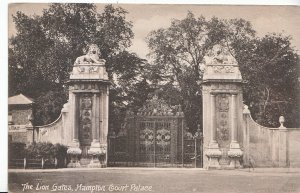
{"type": "Point", "coordinates": [148, 17]}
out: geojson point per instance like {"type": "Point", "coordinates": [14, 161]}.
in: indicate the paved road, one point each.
{"type": "Point", "coordinates": [155, 180]}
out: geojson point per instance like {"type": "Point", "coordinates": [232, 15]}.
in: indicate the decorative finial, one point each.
{"type": "Point", "coordinates": [246, 110]}
{"type": "Point", "coordinates": [281, 121]}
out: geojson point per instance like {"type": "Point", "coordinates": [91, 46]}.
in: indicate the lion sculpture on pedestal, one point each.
{"type": "Point", "coordinates": [219, 54]}
{"type": "Point", "coordinates": [92, 56]}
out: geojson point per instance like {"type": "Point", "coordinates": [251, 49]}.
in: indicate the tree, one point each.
{"type": "Point", "coordinates": [130, 88]}
{"type": "Point", "coordinates": [24, 51]}
{"type": "Point", "coordinates": [43, 51]}
{"type": "Point", "coordinates": [48, 105]}
{"type": "Point", "coordinates": [271, 68]}
{"type": "Point", "coordinates": [178, 51]}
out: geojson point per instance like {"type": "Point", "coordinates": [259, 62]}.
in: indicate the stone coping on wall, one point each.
{"type": "Point", "coordinates": [51, 124]}
{"type": "Point", "coordinates": [264, 127]}
{"type": "Point", "coordinates": [17, 130]}
{"type": "Point", "coordinates": [16, 127]}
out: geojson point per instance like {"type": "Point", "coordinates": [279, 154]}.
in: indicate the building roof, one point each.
{"type": "Point", "coordinates": [19, 100]}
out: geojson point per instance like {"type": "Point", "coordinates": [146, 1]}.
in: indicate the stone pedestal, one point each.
{"type": "Point", "coordinates": [98, 155]}
{"type": "Point", "coordinates": [29, 134]}
{"type": "Point", "coordinates": [235, 154]}
{"type": "Point", "coordinates": [213, 153]}
{"type": "Point", "coordinates": [283, 152]}
{"type": "Point", "coordinates": [74, 155]}
{"type": "Point", "coordinates": [222, 110]}
{"type": "Point", "coordinates": [95, 163]}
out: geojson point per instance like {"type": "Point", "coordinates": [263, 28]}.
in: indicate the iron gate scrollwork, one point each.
{"type": "Point", "coordinates": [156, 136]}
{"type": "Point", "coordinates": [154, 142]}
{"type": "Point", "coordinates": [192, 150]}
{"type": "Point", "coordinates": [146, 142]}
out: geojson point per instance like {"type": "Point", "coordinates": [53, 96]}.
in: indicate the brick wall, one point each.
{"type": "Point", "coordinates": [18, 136]}
{"type": "Point", "coordinates": [20, 115]}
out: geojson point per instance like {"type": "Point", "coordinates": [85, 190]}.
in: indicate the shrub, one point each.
{"type": "Point", "coordinates": [48, 151]}
{"type": "Point", "coordinates": [16, 150]}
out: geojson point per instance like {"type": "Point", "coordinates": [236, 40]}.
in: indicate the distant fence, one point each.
{"type": "Point", "coordinates": [270, 147]}
{"type": "Point", "coordinates": [36, 163]}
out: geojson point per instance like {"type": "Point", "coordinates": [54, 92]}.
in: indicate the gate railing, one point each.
{"type": "Point", "coordinates": [155, 136]}
{"type": "Point", "coordinates": [189, 152]}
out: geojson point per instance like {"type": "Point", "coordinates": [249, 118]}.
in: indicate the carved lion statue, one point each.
{"type": "Point", "coordinates": [92, 56]}
{"type": "Point", "coordinates": [219, 55]}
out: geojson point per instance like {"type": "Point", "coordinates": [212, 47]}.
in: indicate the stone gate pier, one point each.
{"type": "Point", "coordinates": [86, 113]}
{"type": "Point", "coordinates": [222, 110]}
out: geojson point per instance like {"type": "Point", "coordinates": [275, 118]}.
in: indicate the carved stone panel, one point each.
{"type": "Point", "coordinates": [223, 130]}
{"type": "Point", "coordinates": [85, 120]}
{"type": "Point", "coordinates": [223, 69]}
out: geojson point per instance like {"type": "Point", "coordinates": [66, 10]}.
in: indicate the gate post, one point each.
{"type": "Point", "coordinates": [283, 144]}
{"type": "Point", "coordinates": [246, 135]}
{"type": "Point", "coordinates": [222, 110]}
{"type": "Point", "coordinates": [88, 107]}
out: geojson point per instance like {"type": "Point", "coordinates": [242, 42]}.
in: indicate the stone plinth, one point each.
{"type": "Point", "coordinates": [213, 154]}
{"type": "Point", "coordinates": [98, 154]}
{"type": "Point", "coordinates": [222, 110]}
{"type": "Point", "coordinates": [89, 72]}
{"type": "Point", "coordinates": [74, 154]}
{"type": "Point", "coordinates": [235, 154]}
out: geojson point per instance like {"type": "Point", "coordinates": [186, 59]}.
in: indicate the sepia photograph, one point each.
{"type": "Point", "coordinates": [161, 98]}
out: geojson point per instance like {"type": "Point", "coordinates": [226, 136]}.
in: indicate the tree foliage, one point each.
{"type": "Point", "coordinates": [178, 52]}
{"type": "Point", "coordinates": [269, 65]}
{"type": "Point", "coordinates": [16, 150]}
{"type": "Point", "coordinates": [43, 51]}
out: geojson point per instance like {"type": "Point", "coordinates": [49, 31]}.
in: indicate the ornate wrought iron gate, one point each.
{"type": "Point", "coordinates": [155, 137]}
{"type": "Point", "coordinates": [154, 142]}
